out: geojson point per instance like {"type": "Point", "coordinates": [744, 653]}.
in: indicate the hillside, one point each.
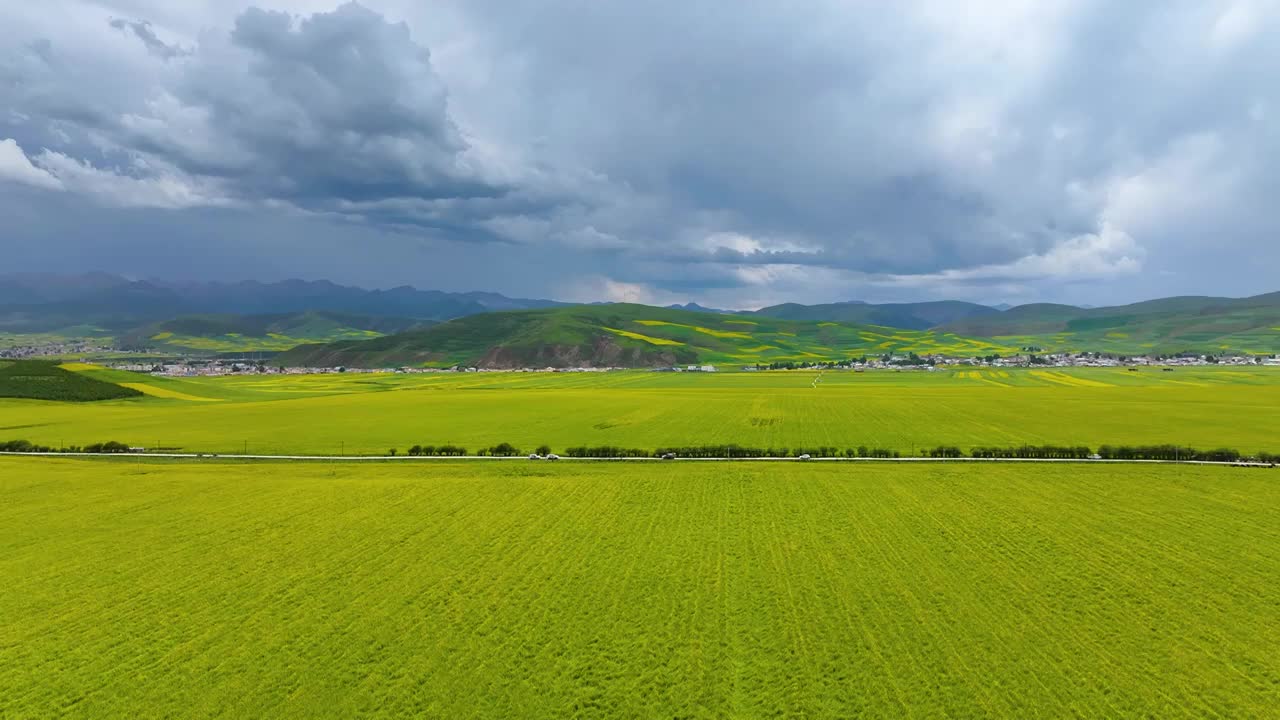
{"type": "Point", "coordinates": [1169, 325]}
{"type": "Point", "coordinates": [1018, 320]}
{"type": "Point", "coordinates": [39, 380]}
{"type": "Point", "coordinates": [252, 333]}
{"type": "Point", "coordinates": [908, 316]}
{"type": "Point", "coordinates": [625, 335]}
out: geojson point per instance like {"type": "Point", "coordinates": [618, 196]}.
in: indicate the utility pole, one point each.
{"type": "Point", "coordinates": [246, 447]}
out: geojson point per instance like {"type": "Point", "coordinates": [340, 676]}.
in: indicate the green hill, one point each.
{"type": "Point", "coordinates": [40, 380]}
{"type": "Point", "coordinates": [909, 316]}
{"type": "Point", "coordinates": [1169, 325]}
{"type": "Point", "coordinates": [627, 335]}
{"type": "Point", "coordinates": [251, 333]}
{"type": "Point", "coordinates": [1020, 320]}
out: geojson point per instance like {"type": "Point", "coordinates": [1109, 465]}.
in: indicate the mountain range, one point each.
{"type": "Point", "coordinates": [255, 316]}
{"type": "Point", "coordinates": [639, 335]}
{"type": "Point", "coordinates": [46, 302]}
{"type": "Point", "coordinates": [626, 335]}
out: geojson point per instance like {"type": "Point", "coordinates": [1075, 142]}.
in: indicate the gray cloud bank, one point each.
{"type": "Point", "coordinates": [733, 154]}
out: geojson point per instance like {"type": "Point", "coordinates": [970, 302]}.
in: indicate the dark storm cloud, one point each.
{"type": "Point", "coordinates": [345, 105]}
{"type": "Point", "coordinates": [334, 113]}
{"type": "Point", "coordinates": [341, 107]}
{"type": "Point", "coordinates": [733, 154]}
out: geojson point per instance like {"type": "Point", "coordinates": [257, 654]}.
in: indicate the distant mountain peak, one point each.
{"type": "Point", "coordinates": [695, 307]}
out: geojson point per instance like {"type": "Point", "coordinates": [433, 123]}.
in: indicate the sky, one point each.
{"type": "Point", "coordinates": [735, 154]}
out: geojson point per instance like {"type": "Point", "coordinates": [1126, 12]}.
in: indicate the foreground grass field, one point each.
{"type": "Point", "coordinates": [369, 414]}
{"type": "Point", "coordinates": [150, 589]}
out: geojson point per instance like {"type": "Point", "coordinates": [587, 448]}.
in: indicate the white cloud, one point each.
{"type": "Point", "coordinates": [748, 245]}
{"type": "Point", "coordinates": [1239, 22]}
{"type": "Point", "coordinates": [153, 188]}
{"type": "Point", "coordinates": [1106, 253]}
{"type": "Point", "coordinates": [1194, 176]}
{"type": "Point", "coordinates": [610, 290]}
{"type": "Point", "coordinates": [15, 167]}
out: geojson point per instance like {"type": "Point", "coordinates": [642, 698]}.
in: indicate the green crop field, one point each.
{"type": "Point", "coordinates": [231, 342]}
{"type": "Point", "coordinates": [517, 589]}
{"type": "Point", "coordinates": [40, 380]}
{"type": "Point", "coordinates": [261, 333]}
{"type": "Point", "coordinates": [1122, 341]}
{"type": "Point", "coordinates": [371, 413]}
{"type": "Point", "coordinates": [11, 340]}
